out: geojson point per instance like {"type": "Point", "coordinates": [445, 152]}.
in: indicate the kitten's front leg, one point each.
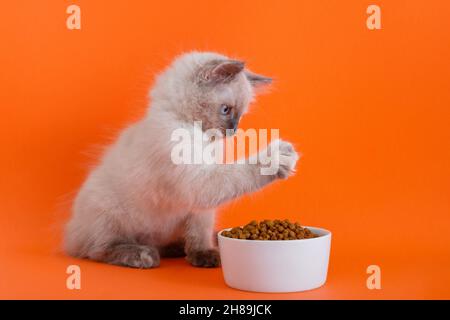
{"type": "Point", "coordinates": [219, 183]}
{"type": "Point", "coordinates": [199, 245]}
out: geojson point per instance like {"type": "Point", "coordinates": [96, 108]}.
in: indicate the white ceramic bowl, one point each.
{"type": "Point", "coordinates": [275, 265]}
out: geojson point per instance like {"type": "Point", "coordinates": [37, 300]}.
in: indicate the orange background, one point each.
{"type": "Point", "coordinates": [369, 110]}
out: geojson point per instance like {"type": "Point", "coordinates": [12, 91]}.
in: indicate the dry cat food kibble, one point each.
{"type": "Point", "coordinates": [270, 230]}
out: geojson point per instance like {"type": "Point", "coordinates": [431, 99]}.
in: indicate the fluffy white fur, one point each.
{"type": "Point", "coordinates": [137, 205]}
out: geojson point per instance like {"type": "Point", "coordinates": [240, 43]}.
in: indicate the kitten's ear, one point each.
{"type": "Point", "coordinates": [257, 80]}
{"type": "Point", "coordinates": [221, 71]}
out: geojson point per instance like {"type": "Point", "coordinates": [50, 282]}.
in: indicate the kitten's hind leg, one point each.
{"type": "Point", "coordinates": [173, 250]}
{"type": "Point", "coordinates": [131, 255]}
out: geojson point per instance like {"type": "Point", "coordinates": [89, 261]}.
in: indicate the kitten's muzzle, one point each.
{"type": "Point", "coordinates": [232, 125]}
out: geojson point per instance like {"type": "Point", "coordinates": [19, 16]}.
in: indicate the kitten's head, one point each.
{"type": "Point", "coordinates": [207, 87]}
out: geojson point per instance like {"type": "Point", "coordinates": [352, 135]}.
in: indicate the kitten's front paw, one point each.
{"type": "Point", "coordinates": [287, 159]}
{"type": "Point", "coordinates": [204, 258]}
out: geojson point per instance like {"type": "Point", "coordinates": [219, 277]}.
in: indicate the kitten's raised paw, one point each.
{"type": "Point", "coordinates": [288, 160]}
{"type": "Point", "coordinates": [205, 258]}
{"type": "Point", "coordinates": [132, 255]}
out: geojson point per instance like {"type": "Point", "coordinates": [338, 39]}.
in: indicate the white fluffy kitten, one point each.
{"type": "Point", "coordinates": [137, 205]}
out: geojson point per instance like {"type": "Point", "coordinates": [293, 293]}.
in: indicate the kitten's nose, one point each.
{"type": "Point", "coordinates": [234, 123]}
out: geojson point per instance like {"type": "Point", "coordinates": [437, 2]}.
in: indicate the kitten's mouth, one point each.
{"type": "Point", "coordinates": [230, 132]}
{"type": "Point", "coordinates": [225, 133]}
{"type": "Point", "coordinates": [232, 127]}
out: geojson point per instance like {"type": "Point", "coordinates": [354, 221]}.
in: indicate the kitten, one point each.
{"type": "Point", "coordinates": [137, 205]}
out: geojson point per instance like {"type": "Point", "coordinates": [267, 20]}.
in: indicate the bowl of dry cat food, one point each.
{"type": "Point", "coordinates": [274, 256]}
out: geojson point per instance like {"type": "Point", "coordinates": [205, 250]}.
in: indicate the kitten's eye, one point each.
{"type": "Point", "coordinates": [225, 109]}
